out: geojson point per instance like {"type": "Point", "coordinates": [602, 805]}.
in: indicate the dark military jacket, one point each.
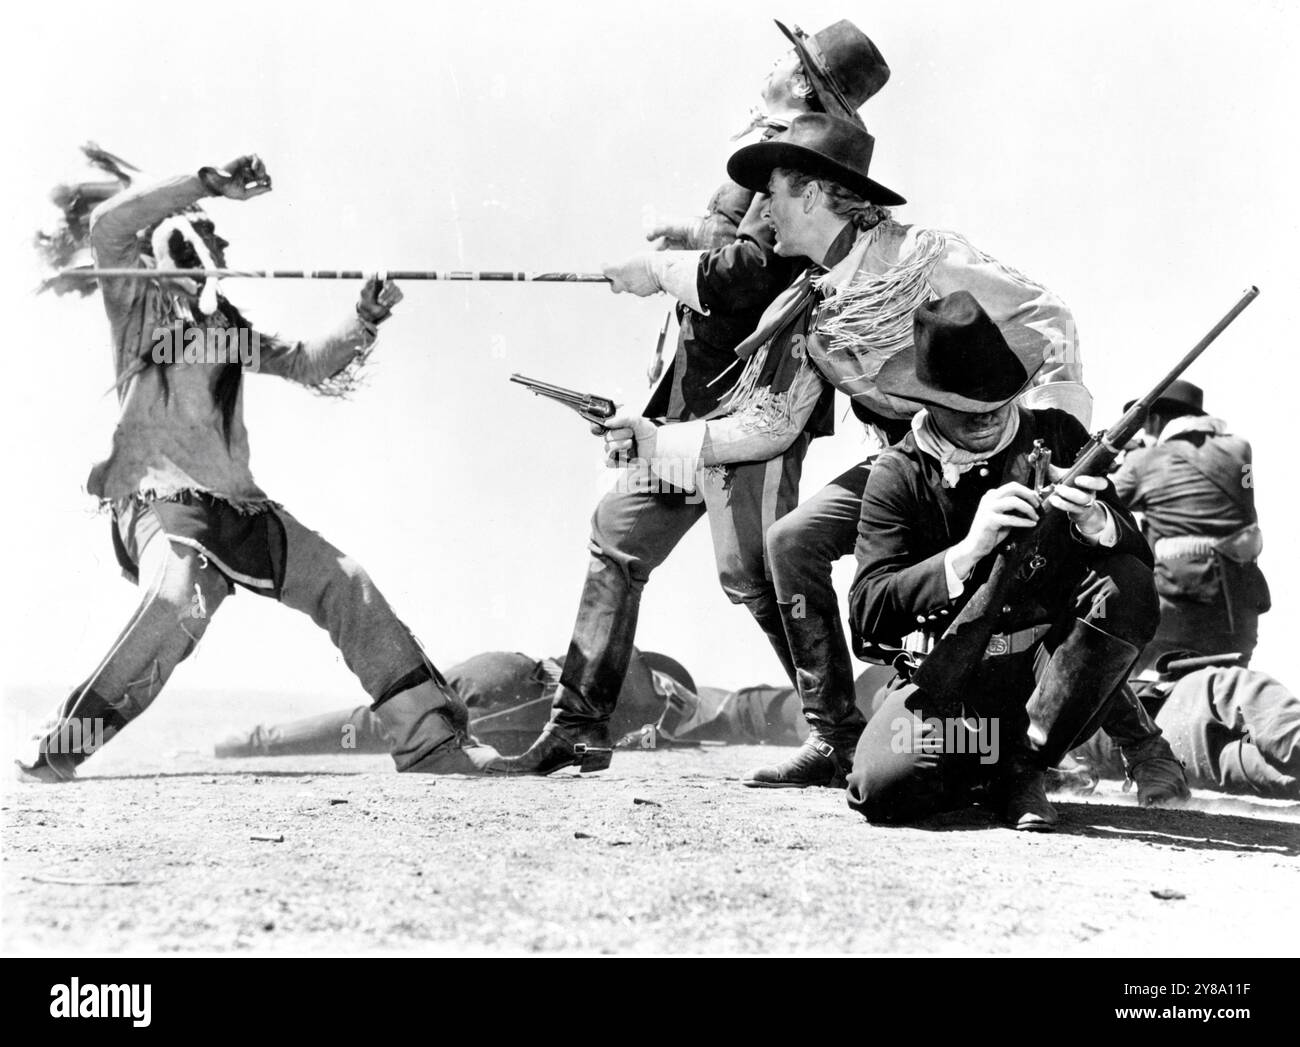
{"type": "Point", "coordinates": [909, 521]}
{"type": "Point", "coordinates": [735, 284]}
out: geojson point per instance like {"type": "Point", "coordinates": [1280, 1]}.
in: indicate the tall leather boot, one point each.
{"type": "Point", "coordinates": [83, 723]}
{"type": "Point", "coordinates": [772, 618]}
{"type": "Point", "coordinates": [1075, 690]}
{"type": "Point", "coordinates": [1067, 704]}
{"type": "Point", "coordinates": [824, 678]}
{"type": "Point", "coordinates": [1148, 760]}
{"type": "Point", "coordinates": [577, 733]}
{"type": "Point", "coordinates": [427, 725]}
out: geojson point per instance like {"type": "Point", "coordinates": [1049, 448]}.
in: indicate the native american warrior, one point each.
{"type": "Point", "coordinates": [189, 523]}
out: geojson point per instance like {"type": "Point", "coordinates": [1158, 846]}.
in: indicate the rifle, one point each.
{"type": "Point", "coordinates": [946, 670]}
{"type": "Point", "coordinates": [595, 409]}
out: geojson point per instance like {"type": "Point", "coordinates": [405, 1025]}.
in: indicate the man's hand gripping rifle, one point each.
{"type": "Point", "coordinates": [1024, 556]}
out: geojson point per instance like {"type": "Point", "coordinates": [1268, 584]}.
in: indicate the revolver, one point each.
{"type": "Point", "coordinates": [595, 409]}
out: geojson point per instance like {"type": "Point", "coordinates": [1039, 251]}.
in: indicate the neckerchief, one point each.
{"type": "Point", "coordinates": [956, 461]}
{"type": "Point", "coordinates": [788, 304]}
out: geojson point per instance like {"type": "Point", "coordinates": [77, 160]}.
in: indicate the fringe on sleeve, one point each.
{"type": "Point", "coordinates": [348, 379]}
{"type": "Point", "coordinates": [870, 319]}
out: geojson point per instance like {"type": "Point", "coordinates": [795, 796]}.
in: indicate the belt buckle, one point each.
{"type": "Point", "coordinates": [999, 643]}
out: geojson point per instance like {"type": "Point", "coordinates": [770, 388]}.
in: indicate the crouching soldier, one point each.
{"type": "Point", "coordinates": [189, 524]}
{"type": "Point", "coordinates": [935, 508]}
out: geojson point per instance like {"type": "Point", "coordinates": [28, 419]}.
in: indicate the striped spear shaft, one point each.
{"type": "Point", "coordinates": [485, 275]}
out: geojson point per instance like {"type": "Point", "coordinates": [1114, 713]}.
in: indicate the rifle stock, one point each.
{"type": "Point", "coordinates": [946, 670]}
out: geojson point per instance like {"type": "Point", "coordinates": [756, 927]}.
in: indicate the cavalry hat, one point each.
{"type": "Point", "coordinates": [958, 359]}
{"type": "Point", "coordinates": [844, 67]}
{"type": "Point", "coordinates": [1184, 394]}
{"type": "Point", "coordinates": [1180, 393]}
{"type": "Point", "coordinates": [819, 145]}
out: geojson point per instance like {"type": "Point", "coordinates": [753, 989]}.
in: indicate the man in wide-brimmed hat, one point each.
{"type": "Point", "coordinates": [721, 267]}
{"type": "Point", "coordinates": [722, 293]}
{"type": "Point", "coordinates": [936, 507]}
{"type": "Point", "coordinates": [1195, 489]}
{"type": "Point", "coordinates": [843, 321]}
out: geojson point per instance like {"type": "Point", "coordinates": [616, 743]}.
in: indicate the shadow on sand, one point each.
{"type": "Point", "coordinates": [1177, 828]}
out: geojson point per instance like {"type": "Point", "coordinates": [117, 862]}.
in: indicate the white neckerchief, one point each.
{"type": "Point", "coordinates": [1193, 423]}
{"type": "Point", "coordinates": [954, 460]}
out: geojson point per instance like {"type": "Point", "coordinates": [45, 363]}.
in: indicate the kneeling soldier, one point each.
{"type": "Point", "coordinates": [935, 507]}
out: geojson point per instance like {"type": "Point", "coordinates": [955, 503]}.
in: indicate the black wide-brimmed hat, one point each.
{"type": "Point", "coordinates": [1180, 394]}
{"type": "Point", "coordinates": [819, 145]}
{"type": "Point", "coordinates": [842, 64]}
{"type": "Point", "coordinates": [958, 359]}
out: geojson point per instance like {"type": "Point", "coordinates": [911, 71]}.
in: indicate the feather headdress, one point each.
{"type": "Point", "coordinates": [67, 246]}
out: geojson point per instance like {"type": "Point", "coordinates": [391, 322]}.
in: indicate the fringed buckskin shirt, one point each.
{"type": "Point", "coordinates": [169, 439]}
{"type": "Point", "coordinates": [876, 280]}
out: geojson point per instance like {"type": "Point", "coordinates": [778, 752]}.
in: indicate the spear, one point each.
{"type": "Point", "coordinates": [492, 275]}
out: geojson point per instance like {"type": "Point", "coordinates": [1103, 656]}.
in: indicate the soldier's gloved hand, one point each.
{"type": "Point", "coordinates": [634, 275]}
{"type": "Point", "coordinates": [242, 179]}
{"type": "Point", "coordinates": [1000, 511]}
{"type": "Point", "coordinates": [378, 296]}
{"type": "Point", "coordinates": [626, 436]}
{"type": "Point", "coordinates": [1079, 501]}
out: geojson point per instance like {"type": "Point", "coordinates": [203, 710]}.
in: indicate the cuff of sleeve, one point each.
{"type": "Point", "coordinates": [369, 327]}
{"type": "Point", "coordinates": [677, 451]}
{"type": "Point", "coordinates": [956, 586]}
{"type": "Point", "coordinates": [1106, 537]}
{"type": "Point", "coordinates": [1071, 397]}
{"type": "Point", "coordinates": [677, 272]}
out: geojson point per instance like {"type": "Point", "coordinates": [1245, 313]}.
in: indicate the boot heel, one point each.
{"type": "Point", "coordinates": [591, 758]}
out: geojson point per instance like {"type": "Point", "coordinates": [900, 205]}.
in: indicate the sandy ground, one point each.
{"type": "Point", "coordinates": [156, 850]}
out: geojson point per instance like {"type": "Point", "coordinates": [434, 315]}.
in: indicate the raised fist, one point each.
{"type": "Point", "coordinates": [241, 179]}
{"type": "Point", "coordinates": [378, 296]}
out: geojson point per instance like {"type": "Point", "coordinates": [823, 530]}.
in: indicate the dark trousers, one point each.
{"type": "Point", "coordinates": [906, 768]}
{"type": "Point", "coordinates": [802, 547]}
{"type": "Point", "coordinates": [634, 529]}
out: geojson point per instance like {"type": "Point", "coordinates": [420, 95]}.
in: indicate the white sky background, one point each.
{"type": "Point", "coordinates": [1138, 158]}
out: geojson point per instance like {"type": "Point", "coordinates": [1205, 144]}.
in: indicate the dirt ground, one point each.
{"type": "Point", "coordinates": [157, 849]}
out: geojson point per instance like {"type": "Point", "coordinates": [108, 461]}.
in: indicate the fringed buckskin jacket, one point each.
{"type": "Point", "coordinates": [172, 437]}
{"type": "Point", "coordinates": [867, 301]}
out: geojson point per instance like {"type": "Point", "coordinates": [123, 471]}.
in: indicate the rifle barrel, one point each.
{"type": "Point", "coordinates": [1154, 394]}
